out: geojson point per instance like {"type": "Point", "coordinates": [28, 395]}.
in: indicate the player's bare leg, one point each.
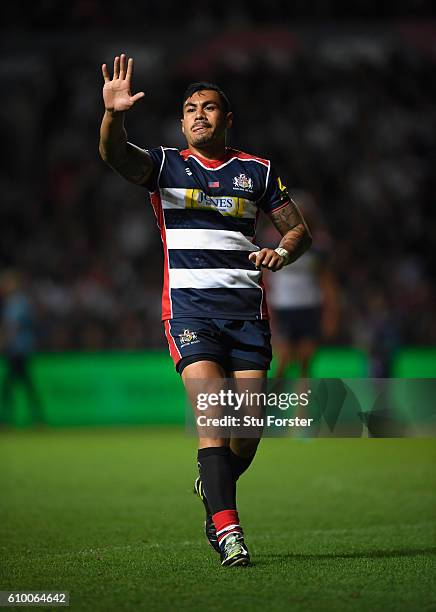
{"type": "Point", "coordinates": [205, 370]}
{"type": "Point", "coordinates": [244, 449]}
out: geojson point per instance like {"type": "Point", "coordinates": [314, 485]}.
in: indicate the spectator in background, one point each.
{"type": "Point", "coordinates": [304, 299]}
{"type": "Point", "coordinates": [18, 342]}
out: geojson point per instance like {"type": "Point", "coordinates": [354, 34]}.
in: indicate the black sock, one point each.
{"type": "Point", "coordinates": [217, 477]}
{"type": "Point", "coordinates": [239, 464]}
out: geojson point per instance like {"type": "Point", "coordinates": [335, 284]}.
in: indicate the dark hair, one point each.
{"type": "Point", "coordinates": [200, 86]}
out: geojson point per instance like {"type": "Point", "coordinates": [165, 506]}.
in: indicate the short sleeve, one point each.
{"type": "Point", "coordinates": [276, 195]}
{"type": "Point", "coordinates": [156, 156]}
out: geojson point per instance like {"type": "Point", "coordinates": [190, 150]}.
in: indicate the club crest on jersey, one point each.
{"type": "Point", "coordinates": [243, 182]}
{"type": "Point", "coordinates": [188, 337]}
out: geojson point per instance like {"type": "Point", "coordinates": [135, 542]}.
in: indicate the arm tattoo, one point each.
{"type": "Point", "coordinates": [290, 223]}
{"type": "Point", "coordinates": [135, 166]}
{"type": "Point", "coordinates": [287, 217]}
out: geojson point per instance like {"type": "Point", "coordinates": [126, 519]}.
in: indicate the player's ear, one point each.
{"type": "Point", "coordinates": [182, 125]}
{"type": "Point", "coordinates": [229, 120]}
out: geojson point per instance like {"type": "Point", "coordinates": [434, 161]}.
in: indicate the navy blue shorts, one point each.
{"type": "Point", "coordinates": [234, 344]}
{"type": "Point", "coordinates": [295, 324]}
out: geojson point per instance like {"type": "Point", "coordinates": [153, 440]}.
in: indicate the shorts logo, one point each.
{"type": "Point", "coordinates": [188, 337]}
{"type": "Point", "coordinates": [243, 182]}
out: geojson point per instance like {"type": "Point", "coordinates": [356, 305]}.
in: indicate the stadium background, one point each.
{"type": "Point", "coordinates": [342, 99]}
{"type": "Point", "coordinates": [344, 108]}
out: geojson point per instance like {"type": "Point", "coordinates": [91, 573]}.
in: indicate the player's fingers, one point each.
{"type": "Point", "coordinates": [270, 258]}
{"type": "Point", "coordinates": [129, 69]}
{"type": "Point", "coordinates": [276, 264]}
{"type": "Point", "coordinates": [266, 259]}
{"type": "Point", "coordinates": [256, 258]}
{"type": "Point", "coordinates": [123, 66]}
{"type": "Point", "coordinates": [137, 97]}
{"type": "Point", "coordinates": [105, 73]}
{"type": "Point", "coordinates": [260, 257]}
{"type": "Point", "coordinates": [116, 67]}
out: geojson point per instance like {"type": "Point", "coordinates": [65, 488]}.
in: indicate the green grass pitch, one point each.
{"type": "Point", "coordinates": [108, 515]}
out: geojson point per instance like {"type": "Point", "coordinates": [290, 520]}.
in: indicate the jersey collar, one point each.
{"type": "Point", "coordinates": [209, 163]}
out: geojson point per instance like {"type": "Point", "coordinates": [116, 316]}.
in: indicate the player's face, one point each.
{"type": "Point", "coordinates": [204, 121]}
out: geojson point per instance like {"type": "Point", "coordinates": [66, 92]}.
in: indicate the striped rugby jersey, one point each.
{"type": "Point", "coordinates": [207, 212]}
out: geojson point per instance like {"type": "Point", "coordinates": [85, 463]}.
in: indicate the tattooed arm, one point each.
{"type": "Point", "coordinates": [296, 238]}
{"type": "Point", "coordinates": [132, 163]}
{"type": "Point", "coordinates": [296, 235]}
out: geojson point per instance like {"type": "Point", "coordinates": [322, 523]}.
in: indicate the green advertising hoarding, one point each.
{"type": "Point", "coordinates": [103, 388]}
{"type": "Point", "coordinates": [84, 389]}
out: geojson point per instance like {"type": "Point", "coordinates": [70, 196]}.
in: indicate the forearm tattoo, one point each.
{"type": "Point", "coordinates": [290, 223]}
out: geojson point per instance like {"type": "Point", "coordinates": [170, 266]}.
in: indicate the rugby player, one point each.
{"type": "Point", "coordinates": [206, 200]}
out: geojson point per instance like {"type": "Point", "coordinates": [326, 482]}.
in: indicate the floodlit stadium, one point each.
{"type": "Point", "coordinates": [282, 207]}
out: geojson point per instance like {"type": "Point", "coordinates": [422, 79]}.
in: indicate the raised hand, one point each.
{"type": "Point", "coordinates": [116, 91]}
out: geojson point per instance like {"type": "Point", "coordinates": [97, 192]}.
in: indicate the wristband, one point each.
{"type": "Point", "coordinates": [283, 253]}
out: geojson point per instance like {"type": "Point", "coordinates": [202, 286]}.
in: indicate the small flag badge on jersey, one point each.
{"type": "Point", "coordinates": [213, 184]}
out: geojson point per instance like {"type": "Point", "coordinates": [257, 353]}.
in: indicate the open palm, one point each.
{"type": "Point", "coordinates": [117, 95]}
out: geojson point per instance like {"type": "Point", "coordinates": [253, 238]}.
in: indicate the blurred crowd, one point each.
{"type": "Point", "coordinates": [345, 114]}
{"type": "Point", "coordinates": [91, 13]}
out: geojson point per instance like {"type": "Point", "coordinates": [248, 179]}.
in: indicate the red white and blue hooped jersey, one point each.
{"type": "Point", "coordinates": [207, 213]}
